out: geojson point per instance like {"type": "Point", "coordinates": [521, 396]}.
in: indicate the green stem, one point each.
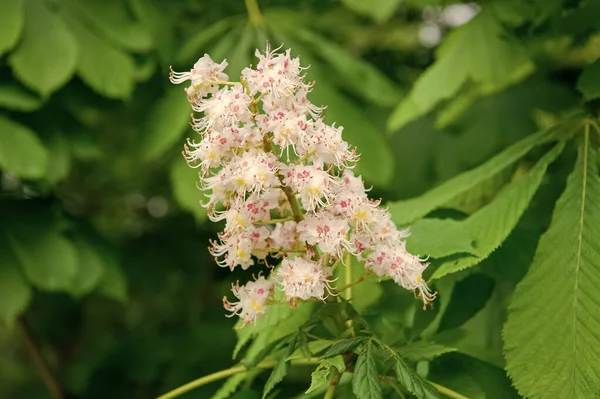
{"type": "Point", "coordinates": [306, 156]}
{"type": "Point", "coordinates": [447, 391]}
{"type": "Point", "coordinates": [274, 221]}
{"type": "Point", "coordinates": [254, 14]}
{"type": "Point", "coordinates": [219, 375]}
{"type": "Point", "coordinates": [333, 384]}
{"type": "Point", "coordinates": [352, 284]}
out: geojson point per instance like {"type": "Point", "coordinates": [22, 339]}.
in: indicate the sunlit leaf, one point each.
{"type": "Point", "coordinates": [552, 337]}
{"type": "Point", "coordinates": [11, 24]}
{"type": "Point", "coordinates": [21, 152]}
{"type": "Point", "coordinates": [46, 55]}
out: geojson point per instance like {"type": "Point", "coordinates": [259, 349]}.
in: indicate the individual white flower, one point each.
{"type": "Point", "coordinates": [252, 299]}
{"type": "Point", "coordinates": [328, 146]}
{"type": "Point", "coordinates": [327, 231]}
{"type": "Point", "coordinates": [312, 183]}
{"type": "Point", "coordinates": [237, 248]}
{"type": "Point", "coordinates": [301, 278]}
{"type": "Point", "coordinates": [285, 235]}
{"type": "Point", "coordinates": [228, 107]}
{"type": "Point", "coordinates": [288, 130]}
{"type": "Point", "coordinates": [203, 77]}
{"type": "Point", "coordinates": [275, 73]}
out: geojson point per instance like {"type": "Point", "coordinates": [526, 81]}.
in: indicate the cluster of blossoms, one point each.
{"type": "Point", "coordinates": [282, 180]}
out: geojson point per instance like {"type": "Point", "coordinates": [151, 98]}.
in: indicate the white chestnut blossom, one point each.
{"type": "Point", "coordinates": [281, 180]}
{"type": "Point", "coordinates": [304, 279]}
{"type": "Point", "coordinates": [252, 299]}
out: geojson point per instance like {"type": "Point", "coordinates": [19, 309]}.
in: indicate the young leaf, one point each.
{"type": "Point", "coordinates": [424, 350]}
{"type": "Point", "coordinates": [366, 383]}
{"type": "Point", "coordinates": [11, 24]}
{"type": "Point", "coordinates": [494, 222]}
{"type": "Point", "coordinates": [589, 81]}
{"type": "Point", "coordinates": [414, 383]}
{"type": "Point", "coordinates": [552, 336]}
{"type": "Point", "coordinates": [341, 347]}
{"type": "Point", "coordinates": [477, 51]}
{"type": "Point", "coordinates": [107, 70]}
{"type": "Point", "coordinates": [230, 386]}
{"type": "Point", "coordinates": [15, 292]}
{"type": "Point", "coordinates": [46, 55]}
{"type": "Point", "coordinates": [323, 373]}
{"type": "Point", "coordinates": [407, 211]}
{"type": "Point", "coordinates": [21, 152]}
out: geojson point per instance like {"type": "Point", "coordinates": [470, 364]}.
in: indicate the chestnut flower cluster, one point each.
{"type": "Point", "coordinates": [282, 180]}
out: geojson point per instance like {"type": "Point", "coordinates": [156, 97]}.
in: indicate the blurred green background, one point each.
{"type": "Point", "coordinates": [103, 259]}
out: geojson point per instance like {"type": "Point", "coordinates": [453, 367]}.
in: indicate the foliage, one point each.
{"type": "Point", "coordinates": [485, 143]}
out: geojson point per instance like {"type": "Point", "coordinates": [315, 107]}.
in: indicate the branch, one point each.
{"type": "Point", "coordinates": [36, 356]}
{"type": "Point", "coordinates": [228, 372]}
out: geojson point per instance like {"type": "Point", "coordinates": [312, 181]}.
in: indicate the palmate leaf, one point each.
{"type": "Point", "coordinates": [477, 51]}
{"type": "Point", "coordinates": [407, 211]}
{"type": "Point", "coordinates": [366, 383]}
{"type": "Point", "coordinates": [552, 336]}
{"type": "Point", "coordinates": [493, 223]}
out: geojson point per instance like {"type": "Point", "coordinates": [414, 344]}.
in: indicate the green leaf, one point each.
{"type": "Point", "coordinates": [493, 223]}
{"type": "Point", "coordinates": [113, 283]}
{"type": "Point", "coordinates": [17, 98]}
{"type": "Point", "coordinates": [11, 24]}
{"type": "Point", "coordinates": [281, 368]}
{"type": "Point", "coordinates": [195, 47]}
{"type": "Point", "coordinates": [112, 21]}
{"type": "Point", "coordinates": [589, 81]}
{"type": "Point", "coordinates": [167, 121]}
{"type": "Point", "coordinates": [239, 57]}
{"type": "Point", "coordinates": [354, 73]}
{"type": "Point", "coordinates": [48, 259]}
{"type": "Point", "coordinates": [15, 292]}
{"type": "Point", "coordinates": [424, 350]}
{"type": "Point", "coordinates": [319, 378]}
{"type": "Point", "coordinates": [46, 55]}
{"type": "Point", "coordinates": [414, 383]}
{"type": "Point", "coordinates": [90, 267]}
{"type": "Point", "coordinates": [379, 10]}
{"type": "Point", "coordinates": [439, 237]}
{"type": "Point", "coordinates": [184, 181]}
{"type": "Point", "coordinates": [552, 336]}
{"type": "Point", "coordinates": [107, 70]}
{"type": "Point", "coordinates": [21, 152]}
{"type": "Point", "coordinates": [478, 51]}
{"type": "Point", "coordinates": [365, 383]}
{"type": "Point", "coordinates": [230, 386]}
{"type": "Point", "coordinates": [407, 211]}
{"type": "Point", "coordinates": [314, 347]}
{"type": "Point", "coordinates": [343, 346]}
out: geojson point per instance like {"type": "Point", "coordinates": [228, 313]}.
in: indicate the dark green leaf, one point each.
{"type": "Point", "coordinates": [343, 346]}
{"type": "Point", "coordinates": [184, 181]}
{"type": "Point", "coordinates": [589, 81]}
{"type": "Point", "coordinates": [15, 97]}
{"type": "Point", "coordinates": [167, 120]}
{"type": "Point", "coordinates": [90, 267]}
{"type": "Point", "coordinates": [319, 378]}
{"type": "Point", "coordinates": [379, 10]}
{"type": "Point", "coordinates": [196, 46]}
{"type": "Point", "coordinates": [15, 292]}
